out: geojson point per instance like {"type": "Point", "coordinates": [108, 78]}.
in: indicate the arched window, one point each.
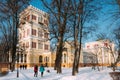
{"type": "Point", "coordinates": [21, 57]}
{"type": "Point", "coordinates": [65, 58]}
{"type": "Point", "coordinates": [17, 57]}
{"type": "Point", "coordinates": [25, 58]}
{"type": "Point", "coordinates": [40, 58]}
{"type": "Point", "coordinates": [46, 59]}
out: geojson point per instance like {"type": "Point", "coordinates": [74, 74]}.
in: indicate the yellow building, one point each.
{"type": "Point", "coordinates": [33, 37]}
{"type": "Point", "coordinates": [68, 56]}
{"type": "Point", "coordinates": [33, 40]}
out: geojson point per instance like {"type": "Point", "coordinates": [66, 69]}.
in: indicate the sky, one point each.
{"type": "Point", "coordinates": [105, 23]}
{"type": "Point", "coordinates": [38, 4]}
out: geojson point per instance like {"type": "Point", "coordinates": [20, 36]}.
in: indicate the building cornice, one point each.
{"type": "Point", "coordinates": [30, 7]}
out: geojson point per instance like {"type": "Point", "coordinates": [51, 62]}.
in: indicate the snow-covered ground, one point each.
{"type": "Point", "coordinates": [85, 73]}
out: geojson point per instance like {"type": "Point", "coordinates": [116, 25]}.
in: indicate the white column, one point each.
{"type": "Point", "coordinates": [103, 56]}
{"type": "Point", "coordinates": [109, 56]}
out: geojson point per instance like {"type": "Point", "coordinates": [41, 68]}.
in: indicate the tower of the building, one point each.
{"type": "Point", "coordinates": [33, 37]}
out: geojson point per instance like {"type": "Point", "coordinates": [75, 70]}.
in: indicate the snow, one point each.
{"type": "Point", "coordinates": [85, 73]}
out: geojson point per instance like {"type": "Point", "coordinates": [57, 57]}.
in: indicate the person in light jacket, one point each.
{"type": "Point", "coordinates": [42, 69]}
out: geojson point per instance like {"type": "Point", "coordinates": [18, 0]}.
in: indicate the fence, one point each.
{"type": "Point", "coordinates": [4, 67]}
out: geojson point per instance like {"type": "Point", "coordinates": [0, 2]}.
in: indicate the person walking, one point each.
{"type": "Point", "coordinates": [35, 71]}
{"type": "Point", "coordinates": [42, 69]}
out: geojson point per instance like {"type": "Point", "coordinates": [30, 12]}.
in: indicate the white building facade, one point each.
{"type": "Point", "coordinates": [101, 52]}
{"type": "Point", "coordinates": [33, 37]}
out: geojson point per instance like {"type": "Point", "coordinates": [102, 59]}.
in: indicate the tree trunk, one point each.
{"type": "Point", "coordinates": [78, 60]}
{"type": "Point", "coordinates": [13, 59]}
{"type": "Point", "coordinates": [74, 70]}
{"type": "Point", "coordinates": [58, 60]}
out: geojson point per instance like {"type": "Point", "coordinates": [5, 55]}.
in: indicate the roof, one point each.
{"type": "Point", "coordinates": [30, 7]}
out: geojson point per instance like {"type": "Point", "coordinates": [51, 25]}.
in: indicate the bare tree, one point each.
{"type": "Point", "coordinates": [67, 19]}
{"type": "Point", "coordinates": [5, 37]}
{"type": "Point", "coordinates": [117, 41]}
{"type": "Point", "coordinates": [114, 37]}
{"type": "Point", "coordinates": [60, 13]}
{"type": "Point", "coordinates": [84, 12]}
{"type": "Point", "coordinates": [116, 31]}
{"type": "Point", "coordinates": [96, 48]}
{"type": "Point", "coordinates": [111, 45]}
{"type": "Point", "coordinates": [10, 10]}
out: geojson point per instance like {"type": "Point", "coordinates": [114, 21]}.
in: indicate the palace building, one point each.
{"type": "Point", "coordinates": [34, 41]}
{"type": "Point", "coordinates": [34, 46]}
{"type": "Point", "coordinates": [33, 37]}
{"type": "Point", "coordinates": [101, 52]}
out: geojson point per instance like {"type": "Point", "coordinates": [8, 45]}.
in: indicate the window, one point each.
{"type": "Point", "coordinates": [33, 32]}
{"type": "Point", "coordinates": [23, 44]}
{"type": "Point", "coordinates": [46, 47]}
{"type": "Point", "coordinates": [64, 49]}
{"type": "Point", "coordinates": [46, 22]}
{"type": "Point", "coordinates": [40, 45]}
{"type": "Point", "coordinates": [28, 18]}
{"type": "Point", "coordinates": [40, 19]}
{"type": "Point", "coordinates": [45, 35]}
{"type": "Point", "coordinates": [40, 33]}
{"type": "Point", "coordinates": [21, 57]}
{"type": "Point", "coordinates": [33, 44]}
{"type": "Point", "coordinates": [28, 31]}
{"type": "Point", "coordinates": [96, 45]}
{"type": "Point", "coordinates": [88, 46]}
{"type": "Point", "coordinates": [20, 36]}
{"type": "Point", "coordinates": [25, 58]}
{"type": "Point", "coordinates": [105, 44]}
{"type": "Point", "coordinates": [17, 57]}
{"type": "Point", "coordinates": [33, 17]}
{"type": "Point", "coordinates": [40, 58]}
{"type": "Point", "coordinates": [46, 59]}
{"type": "Point", "coordinates": [65, 58]}
{"type": "Point", "coordinates": [27, 45]}
{"type": "Point", "coordinates": [24, 34]}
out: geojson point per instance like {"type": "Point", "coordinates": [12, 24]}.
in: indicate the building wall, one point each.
{"type": "Point", "coordinates": [102, 50]}
{"type": "Point", "coordinates": [33, 37]}
{"type": "Point", "coordinates": [32, 32]}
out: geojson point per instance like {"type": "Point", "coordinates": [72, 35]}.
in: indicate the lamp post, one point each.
{"type": "Point", "coordinates": [17, 60]}
{"type": "Point", "coordinates": [17, 69]}
{"type": "Point", "coordinates": [19, 49]}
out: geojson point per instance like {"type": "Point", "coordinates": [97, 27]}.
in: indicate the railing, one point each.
{"type": "Point", "coordinates": [4, 67]}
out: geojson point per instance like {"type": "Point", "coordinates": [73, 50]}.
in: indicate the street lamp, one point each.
{"type": "Point", "coordinates": [17, 60]}
{"type": "Point", "coordinates": [18, 50]}
{"type": "Point", "coordinates": [17, 70]}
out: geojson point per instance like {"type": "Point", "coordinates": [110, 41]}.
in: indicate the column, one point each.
{"type": "Point", "coordinates": [103, 57]}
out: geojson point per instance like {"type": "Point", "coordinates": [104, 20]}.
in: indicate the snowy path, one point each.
{"type": "Point", "coordinates": [84, 74]}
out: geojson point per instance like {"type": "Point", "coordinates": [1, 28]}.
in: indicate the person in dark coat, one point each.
{"type": "Point", "coordinates": [25, 66]}
{"type": "Point", "coordinates": [42, 69]}
{"type": "Point", "coordinates": [20, 67]}
{"type": "Point", "coordinates": [35, 71]}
